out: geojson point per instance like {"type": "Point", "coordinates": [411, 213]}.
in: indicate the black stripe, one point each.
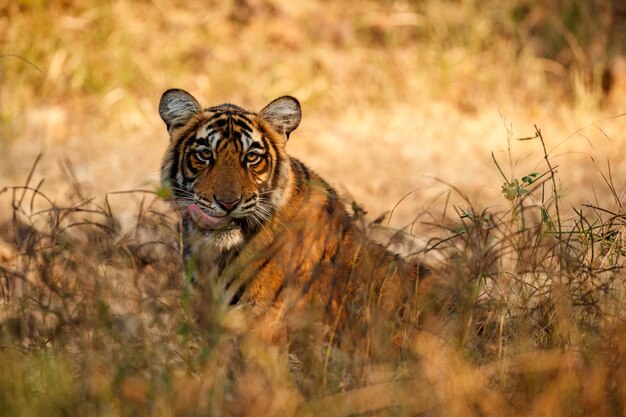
{"type": "Point", "coordinates": [214, 117]}
{"type": "Point", "coordinates": [180, 145]}
{"type": "Point", "coordinates": [242, 123]}
{"type": "Point", "coordinates": [279, 291]}
{"type": "Point", "coordinates": [206, 140]}
{"type": "Point", "coordinates": [176, 166]}
{"type": "Point", "coordinates": [264, 264]}
{"type": "Point", "coordinates": [256, 145]}
{"type": "Point", "coordinates": [191, 168]}
{"type": "Point", "coordinates": [333, 258]}
{"type": "Point", "coordinates": [302, 175]}
{"type": "Point", "coordinates": [313, 278]}
{"type": "Point", "coordinates": [184, 164]}
{"type": "Point", "coordinates": [276, 163]}
{"type": "Point", "coordinates": [230, 126]}
{"type": "Point", "coordinates": [331, 200]}
{"type": "Point", "coordinates": [246, 206]}
{"type": "Point", "coordinates": [224, 260]}
{"type": "Point", "coordinates": [219, 147]}
{"type": "Point", "coordinates": [237, 297]}
{"type": "Point", "coordinates": [220, 123]}
{"type": "Point", "coordinates": [239, 144]}
{"type": "Point", "coordinates": [200, 142]}
{"type": "Point", "coordinates": [305, 171]}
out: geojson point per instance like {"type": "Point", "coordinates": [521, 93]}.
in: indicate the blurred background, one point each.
{"type": "Point", "coordinates": [399, 97]}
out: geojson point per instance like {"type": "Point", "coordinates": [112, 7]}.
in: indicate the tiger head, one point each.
{"type": "Point", "coordinates": [226, 167]}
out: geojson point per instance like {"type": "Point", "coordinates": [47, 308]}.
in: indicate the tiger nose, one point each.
{"type": "Point", "coordinates": [227, 205]}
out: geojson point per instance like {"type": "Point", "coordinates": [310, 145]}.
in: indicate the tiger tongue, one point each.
{"type": "Point", "coordinates": [204, 220]}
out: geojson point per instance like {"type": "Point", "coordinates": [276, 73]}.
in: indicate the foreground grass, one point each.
{"type": "Point", "coordinates": [395, 85]}
{"type": "Point", "coordinates": [527, 318]}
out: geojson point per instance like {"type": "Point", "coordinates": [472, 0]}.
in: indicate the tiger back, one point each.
{"type": "Point", "coordinates": [261, 229]}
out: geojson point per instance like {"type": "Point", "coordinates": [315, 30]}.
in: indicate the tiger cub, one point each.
{"type": "Point", "coordinates": [262, 229]}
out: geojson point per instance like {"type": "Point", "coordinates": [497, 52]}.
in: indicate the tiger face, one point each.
{"type": "Point", "coordinates": [226, 167]}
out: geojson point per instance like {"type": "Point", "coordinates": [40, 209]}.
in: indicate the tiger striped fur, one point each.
{"type": "Point", "coordinates": [262, 229]}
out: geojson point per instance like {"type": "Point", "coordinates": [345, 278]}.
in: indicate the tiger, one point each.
{"type": "Point", "coordinates": [261, 229]}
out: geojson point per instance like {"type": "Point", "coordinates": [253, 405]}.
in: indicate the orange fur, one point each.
{"type": "Point", "coordinates": [307, 256]}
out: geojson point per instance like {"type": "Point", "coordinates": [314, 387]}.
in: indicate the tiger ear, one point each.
{"type": "Point", "coordinates": [176, 107]}
{"type": "Point", "coordinates": [283, 114]}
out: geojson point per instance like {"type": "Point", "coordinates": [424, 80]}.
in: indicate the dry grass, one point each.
{"type": "Point", "coordinates": [428, 100]}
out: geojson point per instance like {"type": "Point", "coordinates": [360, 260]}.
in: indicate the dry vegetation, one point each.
{"type": "Point", "coordinates": [417, 102]}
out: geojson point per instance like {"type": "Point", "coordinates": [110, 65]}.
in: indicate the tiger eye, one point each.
{"type": "Point", "coordinates": [204, 154]}
{"type": "Point", "coordinates": [253, 158]}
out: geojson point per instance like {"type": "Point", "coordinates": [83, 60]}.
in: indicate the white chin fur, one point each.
{"type": "Point", "coordinates": [224, 240]}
